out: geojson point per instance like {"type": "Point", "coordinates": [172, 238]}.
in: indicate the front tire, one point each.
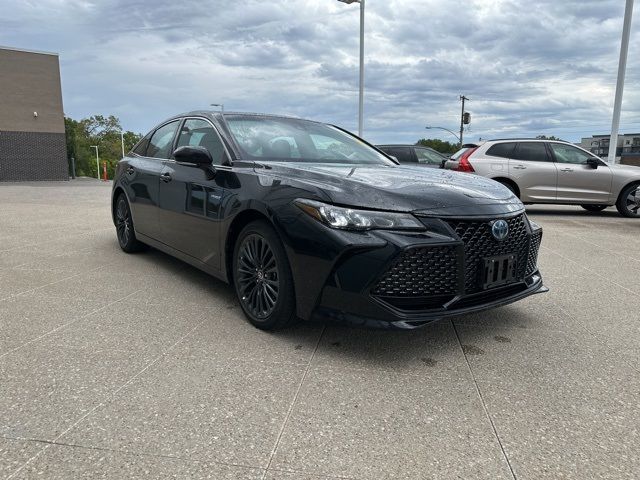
{"type": "Point", "coordinates": [629, 201]}
{"type": "Point", "coordinates": [124, 227]}
{"type": "Point", "coordinates": [594, 208]}
{"type": "Point", "coordinates": [262, 277]}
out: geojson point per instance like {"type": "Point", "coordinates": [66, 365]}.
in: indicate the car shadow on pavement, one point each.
{"type": "Point", "coordinates": [338, 344]}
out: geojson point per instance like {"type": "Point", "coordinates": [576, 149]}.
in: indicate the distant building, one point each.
{"type": "Point", "coordinates": [627, 149]}
{"type": "Point", "coordinates": [32, 138]}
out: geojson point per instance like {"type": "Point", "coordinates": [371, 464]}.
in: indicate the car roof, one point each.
{"type": "Point", "coordinates": [524, 139]}
{"type": "Point", "coordinates": [219, 114]}
{"type": "Point", "coordinates": [409, 145]}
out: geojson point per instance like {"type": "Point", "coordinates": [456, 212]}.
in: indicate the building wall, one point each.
{"type": "Point", "coordinates": [31, 147]}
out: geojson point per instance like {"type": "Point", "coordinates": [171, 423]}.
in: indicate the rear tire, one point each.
{"type": "Point", "coordinates": [262, 277]}
{"type": "Point", "coordinates": [124, 227]}
{"type": "Point", "coordinates": [594, 208]}
{"type": "Point", "coordinates": [629, 201]}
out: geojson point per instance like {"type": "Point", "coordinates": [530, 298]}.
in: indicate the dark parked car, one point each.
{"type": "Point", "coordinates": [415, 155]}
{"type": "Point", "coordinates": [306, 220]}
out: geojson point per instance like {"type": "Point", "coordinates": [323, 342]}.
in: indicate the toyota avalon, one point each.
{"type": "Point", "coordinates": [308, 221]}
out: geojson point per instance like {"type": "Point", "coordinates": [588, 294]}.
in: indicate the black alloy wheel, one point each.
{"type": "Point", "coordinates": [262, 277]}
{"type": "Point", "coordinates": [629, 201]}
{"type": "Point", "coordinates": [594, 208]}
{"type": "Point", "coordinates": [124, 227]}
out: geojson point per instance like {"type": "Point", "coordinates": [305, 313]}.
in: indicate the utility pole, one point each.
{"type": "Point", "coordinates": [622, 67]}
{"type": "Point", "coordinates": [463, 98]}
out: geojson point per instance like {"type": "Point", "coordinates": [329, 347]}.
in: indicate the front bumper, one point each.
{"type": "Point", "coordinates": [341, 307]}
{"type": "Point", "coordinates": [407, 279]}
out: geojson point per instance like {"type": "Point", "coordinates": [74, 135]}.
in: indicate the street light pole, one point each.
{"type": "Point", "coordinates": [361, 92]}
{"type": "Point", "coordinates": [446, 129]}
{"type": "Point", "coordinates": [97, 160]}
{"type": "Point", "coordinates": [221, 105]}
{"type": "Point", "coordinates": [622, 67]}
{"type": "Point", "coordinates": [122, 142]}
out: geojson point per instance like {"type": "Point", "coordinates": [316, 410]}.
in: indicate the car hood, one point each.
{"type": "Point", "coordinates": [626, 170]}
{"type": "Point", "coordinates": [402, 188]}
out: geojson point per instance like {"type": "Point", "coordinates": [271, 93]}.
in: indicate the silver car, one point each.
{"type": "Point", "coordinates": [545, 171]}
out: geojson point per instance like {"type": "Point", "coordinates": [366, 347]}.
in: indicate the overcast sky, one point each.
{"type": "Point", "coordinates": [529, 67]}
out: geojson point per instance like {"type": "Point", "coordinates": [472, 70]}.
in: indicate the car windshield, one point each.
{"type": "Point", "coordinates": [291, 140]}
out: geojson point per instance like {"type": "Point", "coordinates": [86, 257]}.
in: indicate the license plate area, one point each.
{"type": "Point", "coordinates": [499, 270]}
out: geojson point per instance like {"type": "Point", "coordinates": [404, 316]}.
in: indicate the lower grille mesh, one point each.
{"type": "Point", "coordinates": [532, 261]}
{"type": "Point", "coordinates": [420, 272]}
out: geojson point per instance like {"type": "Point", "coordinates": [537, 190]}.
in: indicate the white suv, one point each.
{"type": "Point", "coordinates": [546, 171]}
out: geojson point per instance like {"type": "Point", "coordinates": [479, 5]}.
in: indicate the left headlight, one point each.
{"type": "Point", "coordinates": [352, 219]}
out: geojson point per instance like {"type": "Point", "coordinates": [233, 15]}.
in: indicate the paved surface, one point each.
{"type": "Point", "coordinates": [122, 366]}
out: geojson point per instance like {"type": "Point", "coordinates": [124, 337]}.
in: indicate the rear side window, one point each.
{"type": "Point", "coordinates": [162, 141]}
{"type": "Point", "coordinates": [141, 148]}
{"type": "Point", "coordinates": [502, 150]}
{"type": "Point", "coordinates": [530, 151]}
{"type": "Point", "coordinates": [459, 153]}
{"type": "Point", "coordinates": [403, 154]}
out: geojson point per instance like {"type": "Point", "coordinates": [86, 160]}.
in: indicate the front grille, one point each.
{"type": "Point", "coordinates": [479, 243]}
{"type": "Point", "coordinates": [419, 272]}
{"type": "Point", "coordinates": [532, 260]}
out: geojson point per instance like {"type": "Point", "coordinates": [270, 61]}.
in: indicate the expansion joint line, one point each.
{"type": "Point", "coordinates": [484, 405]}
{"type": "Point", "coordinates": [293, 402]}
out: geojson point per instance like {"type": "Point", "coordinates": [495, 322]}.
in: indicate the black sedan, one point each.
{"type": "Point", "coordinates": [415, 155]}
{"type": "Point", "coordinates": [309, 221]}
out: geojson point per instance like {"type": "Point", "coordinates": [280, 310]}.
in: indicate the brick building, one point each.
{"type": "Point", "coordinates": [32, 138]}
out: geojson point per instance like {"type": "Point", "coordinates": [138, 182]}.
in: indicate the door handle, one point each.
{"type": "Point", "coordinates": [566, 169]}
{"type": "Point", "coordinates": [165, 177]}
{"type": "Point", "coordinates": [520, 167]}
{"type": "Point", "coordinates": [131, 170]}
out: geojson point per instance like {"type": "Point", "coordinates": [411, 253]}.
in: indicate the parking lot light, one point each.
{"type": "Point", "coordinates": [221, 105]}
{"type": "Point", "coordinates": [446, 129]}
{"type": "Point", "coordinates": [361, 94]}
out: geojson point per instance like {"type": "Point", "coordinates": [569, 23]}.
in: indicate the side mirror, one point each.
{"type": "Point", "coordinates": [199, 156]}
{"type": "Point", "coordinates": [593, 163]}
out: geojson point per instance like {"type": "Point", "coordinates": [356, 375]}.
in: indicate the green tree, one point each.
{"type": "Point", "coordinates": [438, 145]}
{"type": "Point", "coordinates": [103, 132]}
{"type": "Point", "coordinates": [544, 137]}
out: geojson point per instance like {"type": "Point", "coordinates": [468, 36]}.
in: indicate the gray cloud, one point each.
{"type": "Point", "coordinates": [537, 67]}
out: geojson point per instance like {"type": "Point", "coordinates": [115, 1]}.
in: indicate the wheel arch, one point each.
{"type": "Point", "coordinates": [114, 198]}
{"type": "Point", "coordinates": [237, 224]}
{"type": "Point", "coordinates": [507, 180]}
{"type": "Point", "coordinates": [625, 186]}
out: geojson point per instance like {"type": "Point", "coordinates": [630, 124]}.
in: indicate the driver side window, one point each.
{"type": "Point", "coordinates": [569, 154]}
{"type": "Point", "coordinates": [199, 133]}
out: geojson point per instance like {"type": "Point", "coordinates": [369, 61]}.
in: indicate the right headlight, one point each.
{"type": "Point", "coordinates": [355, 219]}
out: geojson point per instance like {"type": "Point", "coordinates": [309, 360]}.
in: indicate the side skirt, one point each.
{"type": "Point", "coordinates": [194, 262]}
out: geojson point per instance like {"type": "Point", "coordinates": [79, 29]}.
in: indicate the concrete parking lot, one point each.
{"type": "Point", "coordinates": [123, 366]}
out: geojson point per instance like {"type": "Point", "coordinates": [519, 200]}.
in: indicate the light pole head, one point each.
{"type": "Point", "coordinates": [349, 1]}
{"type": "Point", "coordinates": [221, 105]}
